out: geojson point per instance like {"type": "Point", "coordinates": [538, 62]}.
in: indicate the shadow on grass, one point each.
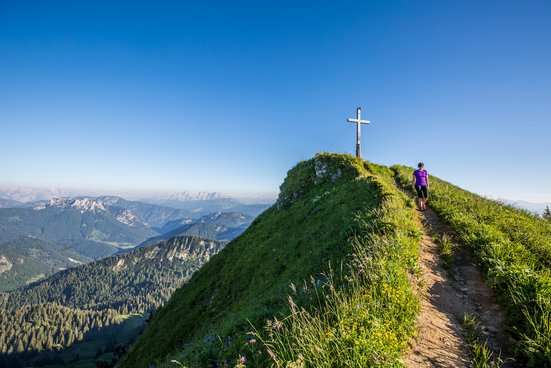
{"type": "Point", "coordinates": [97, 346]}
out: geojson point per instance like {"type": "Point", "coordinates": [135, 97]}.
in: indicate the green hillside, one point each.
{"type": "Point", "coordinates": [331, 259]}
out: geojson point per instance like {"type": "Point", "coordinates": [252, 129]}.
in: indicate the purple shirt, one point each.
{"type": "Point", "coordinates": [420, 177]}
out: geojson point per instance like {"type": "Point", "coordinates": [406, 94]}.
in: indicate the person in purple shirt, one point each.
{"type": "Point", "coordinates": [420, 183]}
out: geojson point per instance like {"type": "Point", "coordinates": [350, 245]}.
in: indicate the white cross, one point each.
{"type": "Point", "coordinates": [358, 122]}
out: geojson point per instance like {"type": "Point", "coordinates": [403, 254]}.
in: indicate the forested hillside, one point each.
{"type": "Point", "coordinates": [28, 259]}
{"type": "Point", "coordinates": [72, 304]}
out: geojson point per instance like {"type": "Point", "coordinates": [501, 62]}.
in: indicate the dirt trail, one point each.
{"type": "Point", "coordinates": [445, 298]}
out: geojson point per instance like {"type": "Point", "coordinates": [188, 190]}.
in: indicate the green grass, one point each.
{"type": "Point", "coordinates": [514, 249]}
{"type": "Point", "coordinates": [35, 278]}
{"type": "Point", "coordinates": [331, 211]}
{"type": "Point", "coordinates": [97, 235]}
{"type": "Point", "coordinates": [447, 249]}
{"type": "Point", "coordinates": [365, 318]}
{"type": "Point", "coordinates": [120, 245]}
{"type": "Point", "coordinates": [481, 355]}
{"type": "Point", "coordinates": [124, 317]}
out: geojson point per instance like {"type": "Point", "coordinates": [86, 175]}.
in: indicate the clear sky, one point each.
{"type": "Point", "coordinates": [229, 95]}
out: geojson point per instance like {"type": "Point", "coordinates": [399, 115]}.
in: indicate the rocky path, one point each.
{"type": "Point", "coordinates": [445, 297]}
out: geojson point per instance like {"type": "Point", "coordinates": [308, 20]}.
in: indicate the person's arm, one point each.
{"type": "Point", "coordinates": [413, 181]}
{"type": "Point", "coordinates": [427, 181]}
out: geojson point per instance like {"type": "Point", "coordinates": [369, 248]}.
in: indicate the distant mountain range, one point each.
{"type": "Point", "coordinates": [194, 196]}
{"type": "Point", "coordinates": [218, 226]}
{"type": "Point", "coordinates": [94, 227]}
{"type": "Point", "coordinates": [89, 228]}
{"type": "Point", "coordinates": [24, 195]}
{"type": "Point", "coordinates": [7, 203]}
{"type": "Point", "coordinates": [201, 207]}
{"type": "Point", "coordinates": [198, 203]}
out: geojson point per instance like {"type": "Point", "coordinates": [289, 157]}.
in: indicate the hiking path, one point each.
{"type": "Point", "coordinates": [446, 296]}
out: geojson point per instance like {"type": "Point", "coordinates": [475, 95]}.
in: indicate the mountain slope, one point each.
{"type": "Point", "coordinates": [324, 203]}
{"type": "Point", "coordinates": [97, 298]}
{"type": "Point", "coordinates": [7, 203]}
{"type": "Point", "coordinates": [31, 259]}
{"type": "Point", "coordinates": [80, 223]}
{"type": "Point", "coordinates": [149, 214]}
{"type": "Point", "coordinates": [135, 282]}
{"type": "Point", "coordinates": [218, 225]}
{"type": "Point", "coordinates": [97, 227]}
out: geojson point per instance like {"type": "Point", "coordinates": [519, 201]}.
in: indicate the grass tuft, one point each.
{"type": "Point", "coordinates": [447, 249]}
{"type": "Point", "coordinates": [481, 355]}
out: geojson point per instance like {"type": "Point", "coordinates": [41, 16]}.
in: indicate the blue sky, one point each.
{"type": "Point", "coordinates": [229, 95]}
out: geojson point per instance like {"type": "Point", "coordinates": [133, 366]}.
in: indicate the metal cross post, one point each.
{"type": "Point", "coordinates": [358, 122]}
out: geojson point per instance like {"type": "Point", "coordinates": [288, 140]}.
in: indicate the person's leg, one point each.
{"type": "Point", "coordinates": [425, 197]}
{"type": "Point", "coordinates": [419, 197]}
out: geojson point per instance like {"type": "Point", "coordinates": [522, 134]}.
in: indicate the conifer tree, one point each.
{"type": "Point", "coordinates": [20, 347]}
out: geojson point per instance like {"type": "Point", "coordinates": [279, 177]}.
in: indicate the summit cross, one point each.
{"type": "Point", "coordinates": [358, 122]}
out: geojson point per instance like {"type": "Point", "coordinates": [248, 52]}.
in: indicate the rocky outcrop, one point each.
{"type": "Point", "coordinates": [5, 264]}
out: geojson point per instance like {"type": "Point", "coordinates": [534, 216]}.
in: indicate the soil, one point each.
{"type": "Point", "coordinates": [445, 297]}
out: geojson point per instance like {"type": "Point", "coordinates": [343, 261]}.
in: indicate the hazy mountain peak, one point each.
{"type": "Point", "coordinates": [83, 204]}
{"type": "Point", "coordinates": [88, 204]}
{"type": "Point", "coordinates": [194, 196]}
{"type": "Point", "coordinates": [109, 200]}
{"type": "Point", "coordinates": [59, 202]}
{"type": "Point", "coordinates": [128, 218]}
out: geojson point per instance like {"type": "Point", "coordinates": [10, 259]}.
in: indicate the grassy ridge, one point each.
{"type": "Point", "coordinates": [366, 318]}
{"type": "Point", "coordinates": [331, 210]}
{"type": "Point", "coordinates": [514, 249]}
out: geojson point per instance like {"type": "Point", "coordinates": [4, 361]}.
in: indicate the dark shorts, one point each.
{"type": "Point", "coordinates": [422, 191]}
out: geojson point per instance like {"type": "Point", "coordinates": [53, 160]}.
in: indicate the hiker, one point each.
{"type": "Point", "coordinates": [420, 183]}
